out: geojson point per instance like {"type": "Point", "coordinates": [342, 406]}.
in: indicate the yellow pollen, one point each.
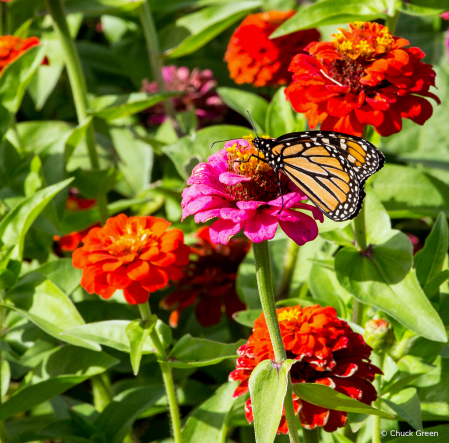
{"type": "Point", "coordinates": [290, 315]}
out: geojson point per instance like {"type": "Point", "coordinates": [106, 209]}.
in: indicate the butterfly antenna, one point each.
{"type": "Point", "coordinates": [252, 124]}
{"type": "Point", "coordinates": [221, 141]}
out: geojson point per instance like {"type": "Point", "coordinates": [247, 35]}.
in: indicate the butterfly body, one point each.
{"type": "Point", "coordinates": [329, 167]}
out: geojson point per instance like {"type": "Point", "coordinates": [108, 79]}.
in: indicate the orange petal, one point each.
{"type": "Point", "coordinates": [138, 270]}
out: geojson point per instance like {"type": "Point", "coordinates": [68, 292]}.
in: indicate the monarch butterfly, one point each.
{"type": "Point", "coordinates": [331, 168]}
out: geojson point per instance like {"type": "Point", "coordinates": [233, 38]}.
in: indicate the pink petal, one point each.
{"type": "Point", "coordinates": [289, 200]}
{"type": "Point", "coordinates": [317, 214]}
{"type": "Point", "coordinates": [231, 179]}
{"type": "Point", "coordinates": [236, 215]}
{"type": "Point", "coordinates": [222, 230]}
{"type": "Point", "coordinates": [300, 231]}
{"type": "Point", "coordinates": [203, 216]}
{"type": "Point", "coordinates": [249, 205]}
{"type": "Point", "coordinates": [201, 204]}
{"type": "Point", "coordinates": [261, 227]}
{"type": "Point", "coordinates": [239, 142]}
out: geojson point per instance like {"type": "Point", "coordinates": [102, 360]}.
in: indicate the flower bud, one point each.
{"type": "Point", "coordinates": [379, 335]}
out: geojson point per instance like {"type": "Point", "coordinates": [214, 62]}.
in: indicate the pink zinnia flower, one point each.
{"type": "Point", "coordinates": [243, 193]}
{"type": "Point", "coordinates": [198, 93]}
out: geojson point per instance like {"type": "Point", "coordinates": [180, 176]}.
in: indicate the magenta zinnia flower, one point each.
{"type": "Point", "coordinates": [198, 93]}
{"type": "Point", "coordinates": [244, 194]}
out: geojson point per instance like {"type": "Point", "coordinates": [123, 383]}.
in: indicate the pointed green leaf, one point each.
{"type": "Point", "coordinates": [406, 404]}
{"type": "Point", "coordinates": [61, 370]}
{"type": "Point", "coordinates": [194, 352]}
{"type": "Point", "coordinates": [207, 423]}
{"type": "Point", "coordinates": [327, 397]}
{"type": "Point", "coordinates": [117, 418]}
{"type": "Point", "coordinates": [137, 332]}
{"type": "Point", "coordinates": [242, 101]}
{"type": "Point", "coordinates": [248, 317]}
{"type": "Point", "coordinates": [42, 302]}
{"type": "Point", "coordinates": [429, 261]}
{"type": "Point", "coordinates": [268, 385]}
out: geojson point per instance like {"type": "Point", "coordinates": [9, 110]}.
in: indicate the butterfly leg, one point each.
{"type": "Point", "coordinates": [278, 178]}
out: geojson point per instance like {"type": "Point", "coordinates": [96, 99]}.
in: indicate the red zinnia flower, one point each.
{"type": "Point", "coordinates": [365, 76]}
{"type": "Point", "coordinates": [136, 254]}
{"type": "Point", "coordinates": [75, 202]}
{"type": "Point", "coordinates": [12, 47]}
{"type": "Point", "coordinates": [253, 58]}
{"type": "Point", "coordinates": [327, 351]}
{"type": "Point", "coordinates": [209, 279]}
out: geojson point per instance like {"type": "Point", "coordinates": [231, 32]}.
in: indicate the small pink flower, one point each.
{"type": "Point", "coordinates": [243, 193]}
{"type": "Point", "coordinates": [198, 92]}
{"type": "Point", "coordinates": [445, 15]}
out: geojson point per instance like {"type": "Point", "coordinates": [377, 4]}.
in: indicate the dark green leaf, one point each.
{"type": "Point", "coordinates": [429, 261]}
{"type": "Point", "coordinates": [207, 423]}
{"type": "Point", "coordinates": [406, 405]}
{"type": "Point", "coordinates": [268, 385]}
{"type": "Point", "coordinates": [193, 352]}
{"type": "Point", "coordinates": [61, 370]}
{"type": "Point", "coordinates": [242, 101]}
{"type": "Point", "coordinates": [111, 107]}
{"type": "Point", "coordinates": [327, 397]}
{"type": "Point", "coordinates": [328, 12]}
{"type": "Point", "coordinates": [62, 273]}
{"type": "Point", "coordinates": [93, 183]}
{"type": "Point", "coordinates": [118, 417]}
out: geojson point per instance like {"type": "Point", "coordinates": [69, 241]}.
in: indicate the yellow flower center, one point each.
{"type": "Point", "coordinates": [364, 40]}
{"type": "Point", "coordinates": [132, 241]}
{"type": "Point", "coordinates": [292, 315]}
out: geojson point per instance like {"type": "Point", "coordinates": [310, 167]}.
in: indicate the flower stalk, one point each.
{"type": "Point", "coordinates": [79, 88]}
{"type": "Point", "coordinates": [152, 42]}
{"type": "Point", "coordinates": [378, 360]}
{"type": "Point", "coordinates": [311, 435]}
{"type": "Point", "coordinates": [266, 294]}
{"type": "Point", "coordinates": [167, 376]}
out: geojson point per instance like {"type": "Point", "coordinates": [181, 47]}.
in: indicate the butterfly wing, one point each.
{"type": "Point", "coordinates": [330, 168]}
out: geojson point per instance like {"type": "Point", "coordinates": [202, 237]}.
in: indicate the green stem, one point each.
{"type": "Point", "coordinates": [152, 42]}
{"type": "Point", "coordinates": [79, 88]}
{"type": "Point", "coordinates": [378, 360]}
{"type": "Point", "coordinates": [166, 375]}
{"type": "Point", "coordinates": [289, 267]}
{"type": "Point", "coordinates": [393, 14]}
{"type": "Point", "coordinates": [311, 435]}
{"type": "Point", "coordinates": [357, 312]}
{"type": "Point", "coordinates": [266, 294]}
{"type": "Point", "coordinates": [101, 391]}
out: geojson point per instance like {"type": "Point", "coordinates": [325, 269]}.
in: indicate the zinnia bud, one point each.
{"type": "Point", "coordinates": [379, 335]}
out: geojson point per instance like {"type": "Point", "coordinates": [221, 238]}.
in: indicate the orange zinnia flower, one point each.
{"type": "Point", "coordinates": [209, 280]}
{"type": "Point", "coordinates": [327, 351]}
{"type": "Point", "coordinates": [365, 76]}
{"type": "Point", "coordinates": [253, 58]}
{"type": "Point", "coordinates": [135, 254]}
{"type": "Point", "coordinates": [12, 47]}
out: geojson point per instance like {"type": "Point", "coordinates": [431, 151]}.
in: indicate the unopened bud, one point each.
{"type": "Point", "coordinates": [379, 335]}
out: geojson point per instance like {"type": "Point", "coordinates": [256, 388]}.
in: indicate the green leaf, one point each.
{"type": "Point", "coordinates": [16, 223]}
{"type": "Point", "coordinates": [327, 397]}
{"type": "Point", "coordinates": [117, 418]}
{"type": "Point", "coordinates": [42, 302]}
{"type": "Point", "coordinates": [93, 183]}
{"type": "Point", "coordinates": [110, 333]}
{"type": "Point", "coordinates": [137, 332]}
{"type": "Point", "coordinates": [191, 352]}
{"type": "Point", "coordinates": [62, 273]}
{"type": "Point", "coordinates": [188, 151]}
{"type": "Point", "coordinates": [15, 78]}
{"type": "Point", "coordinates": [73, 138]}
{"type": "Point", "coordinates": [207, 423]}
{"type": "Point", "coordinates": [407, 192]}
{"type": "Point", "coordinates": [406, 405]}
{"type": "Point", "coordinates": [280, 118]}
{"type": "Point", "coordinates": [328, 12]}
{"type": "Point", "coordinates": [431, 288]}
{"type": "Point", "coordinates": [192, 31]}
{"type": "Point", "coordinates": [61, 370]}
{"type": "Point", "coordinates": [5, 379]}
{"type": "Point", "coordinates": [435, 434]}
{"type": "Point", "coordinates": [99, 7]}
{"type": "Point", "coordinates": [371, 282]}
{"type": "Point", "coordinates": [248, 317]}
{"type": "Point", "coordinates": [110, 107]}
{"type": "Point", "coordinates": [429, 261]}
{"type": "Point", "coordinates": [267, 386]}
{"type": "Point", "coordinates": [242, 101]}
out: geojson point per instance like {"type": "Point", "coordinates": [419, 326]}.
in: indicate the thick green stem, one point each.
{"type": "Point", "coordinates": [378, 360]}
{"type": "Point", "coordinates": [311, 435]}
{"type": "Point", "coordinates": [101, 391]}
{"type": "Point", "coordinates": [152, 42]}
{"type": "Point", "coordinates": [266, 294]}
{"type": "Point", "coordinates": [289, 267]}
{"type": "Point", "coordinates": [166, 375]}
{"type": "Point", "coordinates": [79, 88]}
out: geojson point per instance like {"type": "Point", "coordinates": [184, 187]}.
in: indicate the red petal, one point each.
{"type": "Point", "coordinates": [135, 294]}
